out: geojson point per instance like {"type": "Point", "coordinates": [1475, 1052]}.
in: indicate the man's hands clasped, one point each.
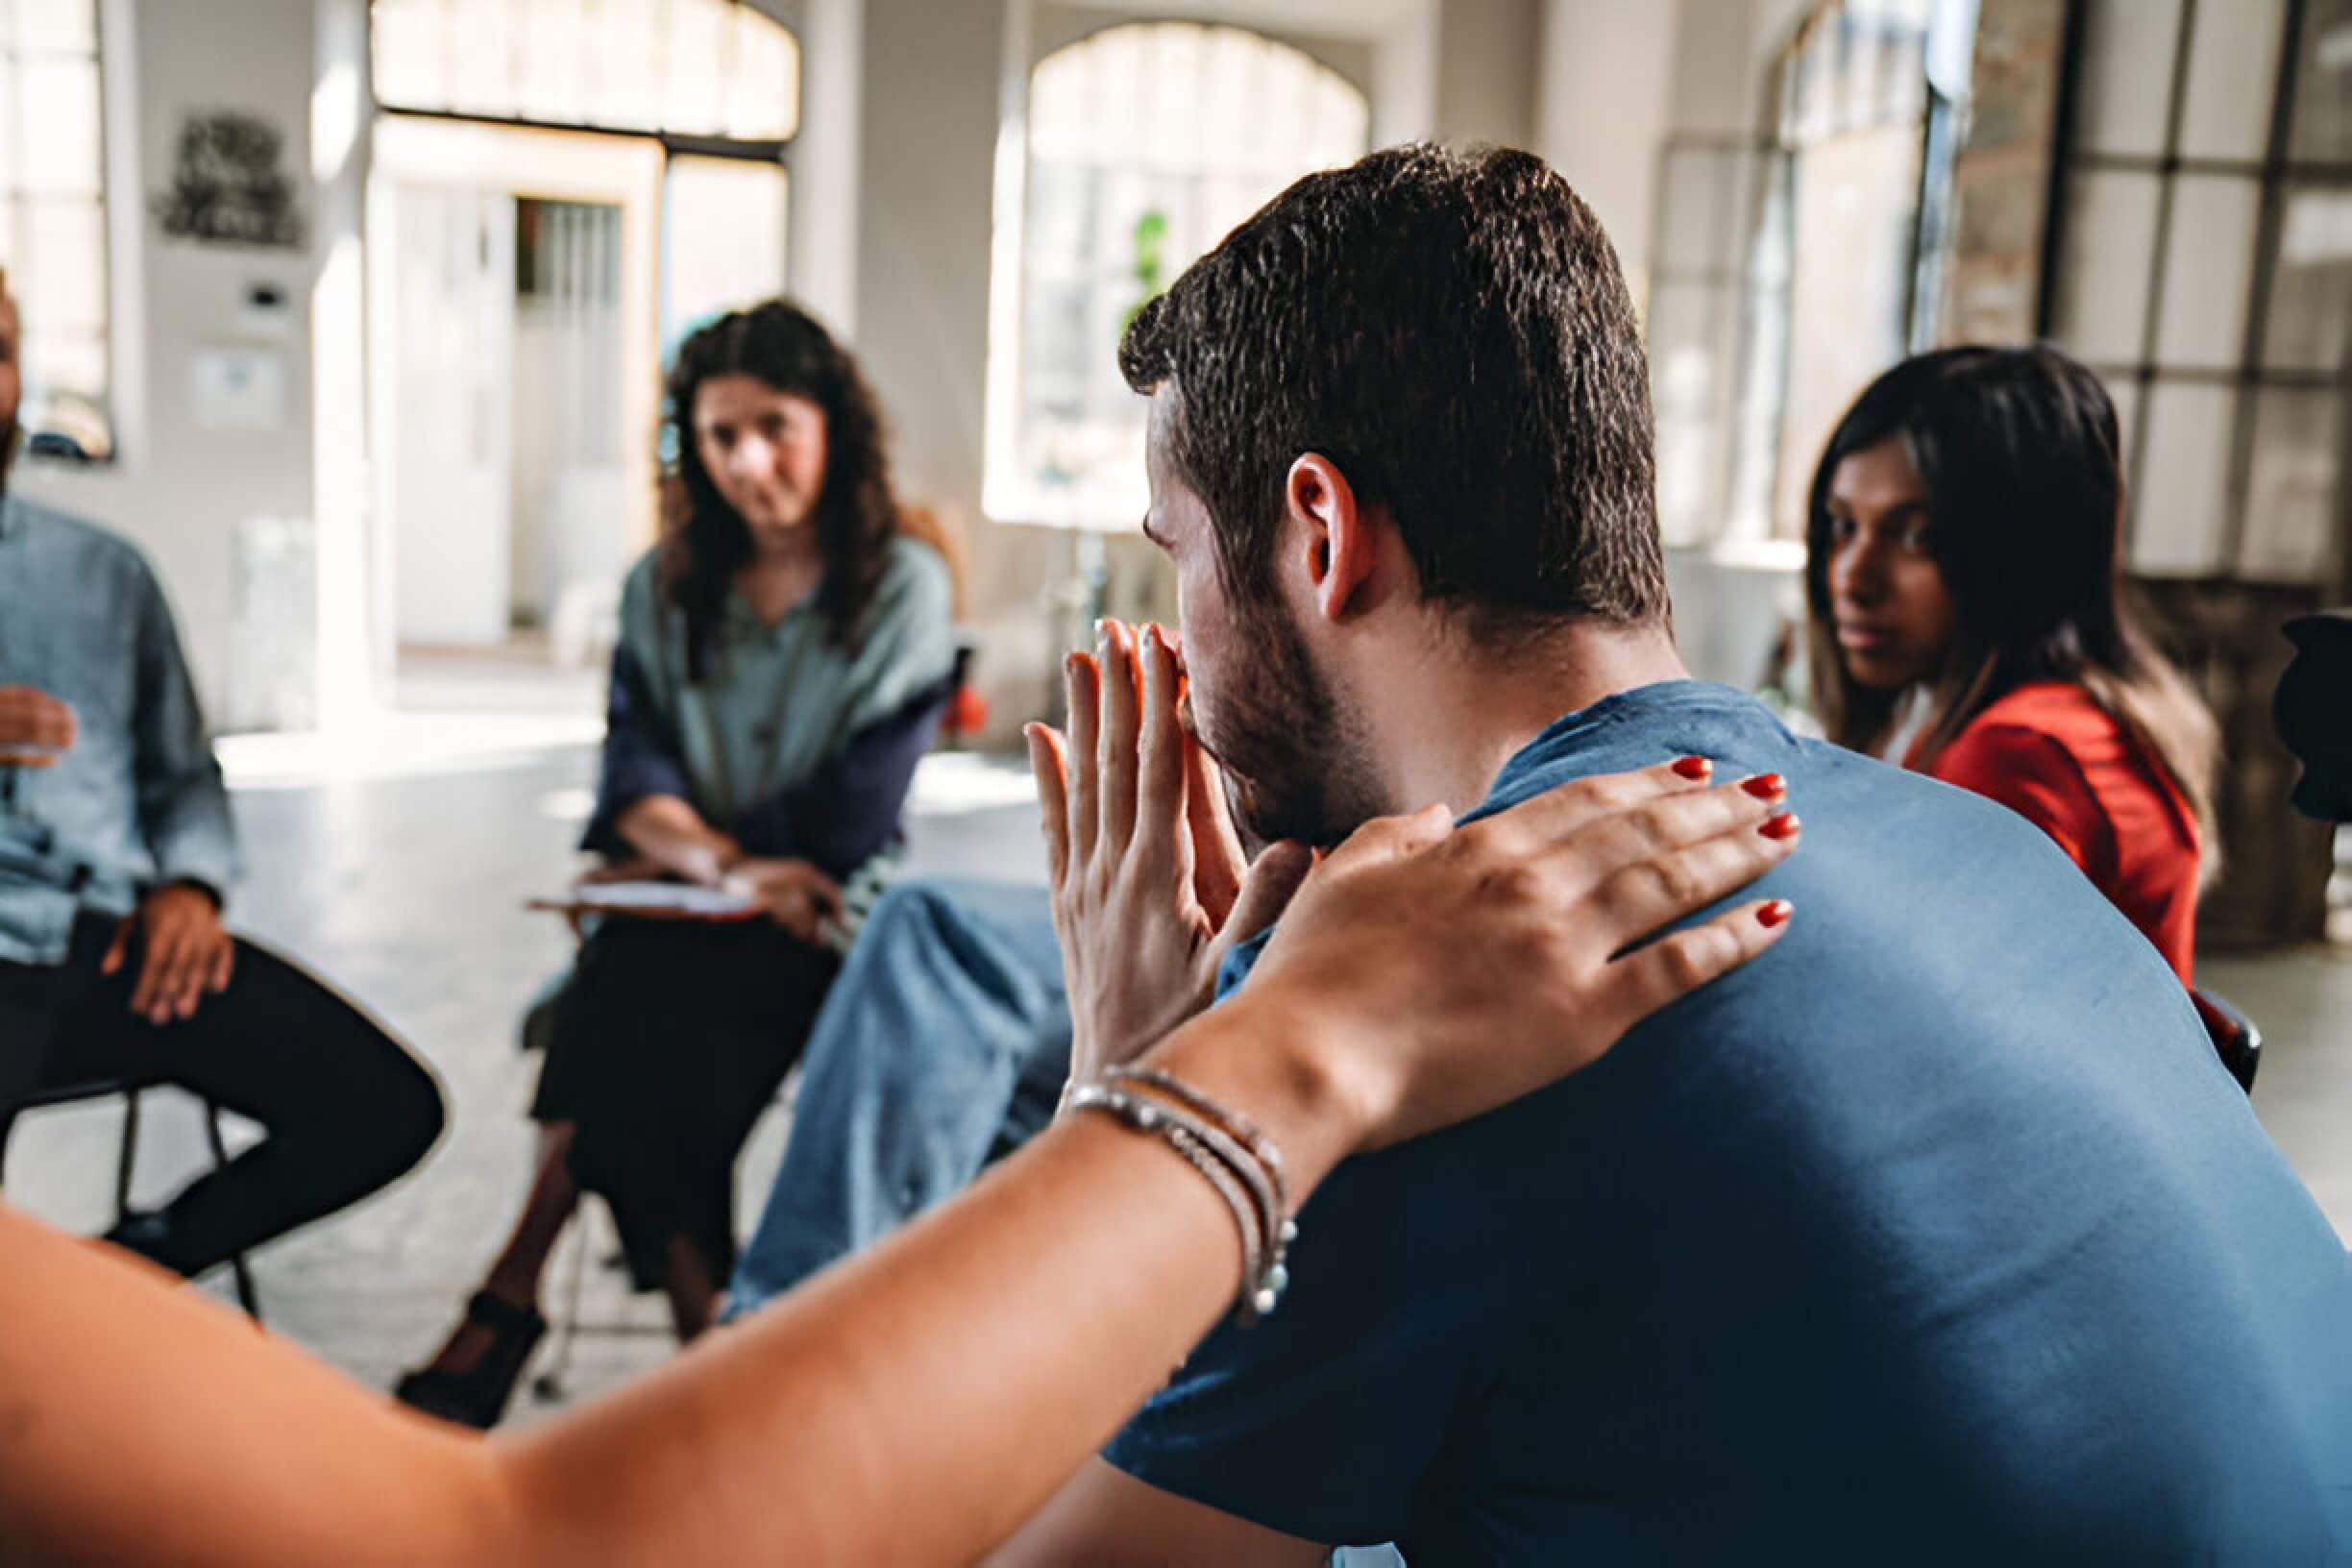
{"type": "Point", "coordinates": [1150, 887]}
{"type": "Point", "coordinates": [1529, 939]}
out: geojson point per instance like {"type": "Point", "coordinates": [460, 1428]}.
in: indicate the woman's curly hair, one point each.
{"type": "Point", "coordinates": [783, 346]}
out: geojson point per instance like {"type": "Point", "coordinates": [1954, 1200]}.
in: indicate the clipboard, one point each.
{"type": "Point", "coordinates": [653, 900]}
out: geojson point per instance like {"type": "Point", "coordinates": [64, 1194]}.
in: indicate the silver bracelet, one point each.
{"type": "Point", "coordinates": [1246, 1186]}
{"type": "Point", "coordinates": [1258, 1166]}
{"type": "Point", "coordinates": [1231, 1120]}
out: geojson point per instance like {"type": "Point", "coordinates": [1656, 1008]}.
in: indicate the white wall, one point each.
{"type": "Point", "coordinates": [1603, 105]}
{"type": "Point", "coordinates": [182, 491]}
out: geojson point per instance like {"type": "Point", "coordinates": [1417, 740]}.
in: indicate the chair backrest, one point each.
{"type": "Point", "coordinates": [2235, 1037]}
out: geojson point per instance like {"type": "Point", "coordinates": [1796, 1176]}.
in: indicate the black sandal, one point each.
{"type": "Point", "coordinates": [478, 1398]}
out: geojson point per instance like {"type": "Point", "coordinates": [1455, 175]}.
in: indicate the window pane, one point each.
{"type": "Point", "coordinates": [723, 244]}
{"type": "Point", "coordinates": [405, 56]}
{"type": "Point", "coordinates": [2310, 301]}
{"type": "Point", "coordinates": [2233, 77]}
{"type": "Point", "coordinates": [2104, 273]}
{"type": "Point", "coordinates": [63, 247]}
{"type": "Point", "coordinates": [764, 98]}
{"type": "Point", "coordinates": [2291, 517]}
{"type": "Point", "coordinates": [2208, 267]}
{"type": "Point", "coordinates": [2127, 74]}
{"type": "Point", "coordinates": [624, 87]}
{"type": "Point", "coordinates": [693, 44]}
{"type": "Point", "coordinates": [60, 126]}
{"type": "Point", "coordinates": [2324, 94]}
{"type": "Point", "coordinates": [550, 78]}
{"type": "Point", "coordinates": [56, 25]}
{"type": "Point", "coordinates": [2183, 506]}
{"type": "Point", "coordinates": [69, 364]}
{"type": "Point", "coordinates": [478, 62]}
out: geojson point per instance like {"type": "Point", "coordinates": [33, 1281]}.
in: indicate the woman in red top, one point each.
{"type": "Point", "coordinates": [1964, 575]}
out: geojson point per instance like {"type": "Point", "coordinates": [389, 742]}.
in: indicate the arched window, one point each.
{"type": "Point", "coordinates": [695, 69]}
{"type": "Point", "coordinates": [1146, 142]}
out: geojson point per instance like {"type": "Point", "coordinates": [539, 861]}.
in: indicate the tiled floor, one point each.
{"type": "Point", "coordinates": [407, 890]}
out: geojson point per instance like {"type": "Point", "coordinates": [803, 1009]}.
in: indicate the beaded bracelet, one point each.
{"type": "Point", "coordinates": [1232, 1121]}
{"type": "Point", "coordinates": [1247, 1186]}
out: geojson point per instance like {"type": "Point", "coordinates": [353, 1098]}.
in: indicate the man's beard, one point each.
{"type": "Point", "coordinates": [1297, 766]}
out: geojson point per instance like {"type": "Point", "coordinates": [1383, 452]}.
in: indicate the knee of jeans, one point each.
{"type": "Point", "coordinates": [904, 908]}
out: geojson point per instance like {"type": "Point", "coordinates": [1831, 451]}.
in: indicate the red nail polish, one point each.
{"type": "Point", "coordinates": [1774, 913]}
{"type": "Point", "coordinates": [1694, 768]}
{"type": "Point", "coordinates": [1765, 786]}
{"type": "Point", "coordinates": [1782, 826]}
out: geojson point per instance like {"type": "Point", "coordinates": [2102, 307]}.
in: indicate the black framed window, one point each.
{"type": "Point", "coordinates": [2202, 261]}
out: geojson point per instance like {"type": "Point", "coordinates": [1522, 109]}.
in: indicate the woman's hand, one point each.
{"type": "Point", "coordinates": [1150, 890]}
{"type": "Point", "coordinates": [796, 895]}
{"type": "Point", "coordinates": [1426, 974]}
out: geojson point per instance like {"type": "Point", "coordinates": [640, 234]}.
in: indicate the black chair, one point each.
{"type": "Point", "coordinates": [126, 1158]}
{"type": "Point", "coordinates": [2235, 1040]}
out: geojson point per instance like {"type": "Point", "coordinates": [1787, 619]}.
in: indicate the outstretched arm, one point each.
{"type": "Point", "coordinates": [915, 1404]}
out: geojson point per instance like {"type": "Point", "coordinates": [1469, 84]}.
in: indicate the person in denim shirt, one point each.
{"type": "Point", "coordinates": [116, 854]}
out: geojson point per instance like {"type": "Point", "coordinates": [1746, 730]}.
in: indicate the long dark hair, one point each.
{"type": "Point", "coordinates": [856, 514]}
{"type": "Point", "coordinates": [2019, 454]}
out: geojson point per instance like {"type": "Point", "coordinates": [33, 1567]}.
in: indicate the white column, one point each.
{"type": "Point", "coordinates": [822, 245]}
{"type": "Point", "coordinates": [1604, 96]}
{"type": "Point", "coordinates": [342, 109]}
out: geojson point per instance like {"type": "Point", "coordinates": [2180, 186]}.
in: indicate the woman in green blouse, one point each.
{"type": "Point", "coordinates": [784, 656]}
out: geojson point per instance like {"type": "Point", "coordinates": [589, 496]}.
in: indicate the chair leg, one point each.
{"type": "Point", "coordinates": [547, 1386]}
{"type": "Point", "coordinates": [126, 1155]}
{"type": "Point", "coordinates": [239, 1270]}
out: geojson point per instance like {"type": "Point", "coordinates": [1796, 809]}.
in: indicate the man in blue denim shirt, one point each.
{"type": "Point", "coordinates": [117, 852]}
{"type": "Point", "coordinates": [1938, 1233]}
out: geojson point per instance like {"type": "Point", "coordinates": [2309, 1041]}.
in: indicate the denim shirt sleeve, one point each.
{"type": "Point", "coordinates": [183, 804]}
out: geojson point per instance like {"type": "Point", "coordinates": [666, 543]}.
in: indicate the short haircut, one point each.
{"type": "Point", "coordinates": [1451, 329]}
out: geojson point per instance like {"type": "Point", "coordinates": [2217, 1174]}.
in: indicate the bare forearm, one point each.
{"type": "Point", "coordinates": [970, 1365]}
{"type": "Point", "coordinates": [918, 1403]}
{"type": "Point", "coordinates": [671, 833]}
{"type": "Point", "coordinates": [141, 1422]}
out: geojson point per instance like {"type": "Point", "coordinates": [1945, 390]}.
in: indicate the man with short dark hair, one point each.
{"type": "Point", "coordinates": [1938, 1233]}
{"type": "Point", "coordinates": [116, 850]}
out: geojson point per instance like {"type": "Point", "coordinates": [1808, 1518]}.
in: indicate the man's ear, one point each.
{"type": "Point", "coordinates": [1334, 543]}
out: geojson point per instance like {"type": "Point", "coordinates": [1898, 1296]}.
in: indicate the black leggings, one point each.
{"type": "Point", "coordinates": [346, 1107]}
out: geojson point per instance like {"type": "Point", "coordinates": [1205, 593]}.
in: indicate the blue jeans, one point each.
{"type": "Point", "coordinates": [944, 1042]}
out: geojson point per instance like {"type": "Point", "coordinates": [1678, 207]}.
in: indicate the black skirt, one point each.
{"type": "Point", "coordinates": [667, 1042]}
